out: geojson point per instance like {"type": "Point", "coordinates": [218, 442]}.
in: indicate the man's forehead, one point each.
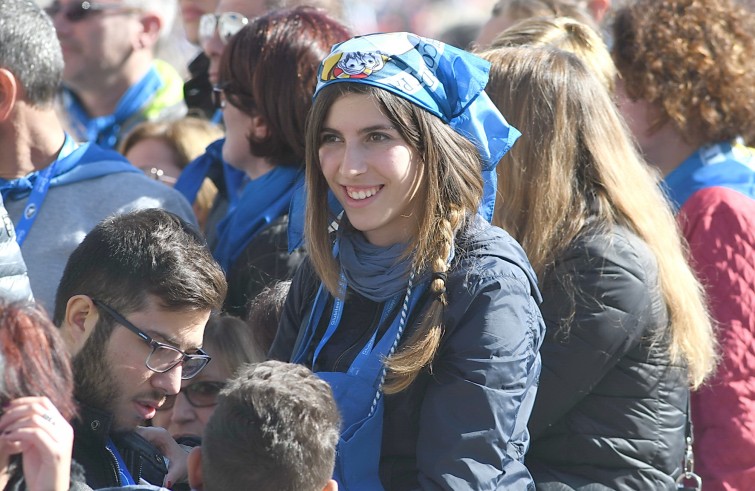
{"type": "Point", "coordinates": [248, 8]}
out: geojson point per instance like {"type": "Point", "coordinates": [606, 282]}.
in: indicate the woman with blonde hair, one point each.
{"type": "Point", "coordinates": [627, 328]}
{"type": "Point", "coordinates": [402, 134]}
{"type": "Point", "coordinates": [567, 34]}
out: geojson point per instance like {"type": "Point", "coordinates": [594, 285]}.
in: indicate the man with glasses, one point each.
{"type": "Point", "coordinates": [112, 80]}
{"type": "Point", "coordinates": [132, 307]}
{"type": "Point", "coordinates": [54, 189]}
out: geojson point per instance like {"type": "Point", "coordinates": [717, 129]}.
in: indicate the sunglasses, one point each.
{"type": "Point", "coordinates": [75, 12]}
{"type": "Point", "coordinates": [226, 24]}
{"type": "Point", "coordinates": [163, 357]}
{"type": "Point", "coordinates": [199, 394]}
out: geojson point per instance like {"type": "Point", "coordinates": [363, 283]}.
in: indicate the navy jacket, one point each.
{"type": "Point", "coordinates": [462, 423]}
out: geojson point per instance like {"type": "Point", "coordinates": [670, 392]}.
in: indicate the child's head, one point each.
{"type": "Point", "coordinates": [276, 426]}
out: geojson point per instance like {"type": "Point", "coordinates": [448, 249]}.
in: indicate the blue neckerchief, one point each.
{"type": "Point", "coordinates": [71, 165]}
{"type": "Point", "coordinates": [262, 201]}
{"type": "Point", "coordinates": [104, 130]}
{"type": "Point", "coordinates": [194, 174]}
{"type": "Point", "coordinates": [720, 164]}
{"type": "Point", "coordinates": [124, 476]}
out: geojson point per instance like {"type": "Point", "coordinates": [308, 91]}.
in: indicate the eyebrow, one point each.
{"type": "Point", "coordinates": [368, 129]}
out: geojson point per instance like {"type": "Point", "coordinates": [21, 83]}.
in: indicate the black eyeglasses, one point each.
{"type": "Point", "coordinates": [79, 11]}
{"type": "Point", "coordinates": [163, 357]}
{"type": "Point", "coordinates": [199, 394]}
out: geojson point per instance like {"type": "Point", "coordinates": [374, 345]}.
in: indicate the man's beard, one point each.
{"type": "Point", "coordinates": [94, 383]}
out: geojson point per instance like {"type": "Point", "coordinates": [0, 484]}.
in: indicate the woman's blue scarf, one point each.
{"type": "Point", "coordinates": [194, 174]}
{"type": "Point", "coordinates": [262, 201]}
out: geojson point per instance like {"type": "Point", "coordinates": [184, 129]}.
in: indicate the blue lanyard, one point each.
{"type": "Point", "coordinates": [335, 318]}
{"type": "Point", "coordinates": [124, 475]}
{"type": "Point", "coordinates": [39, 192]}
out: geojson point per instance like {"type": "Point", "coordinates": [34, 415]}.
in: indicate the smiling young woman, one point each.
{"type": "Point", "coordinates": [425, 320]}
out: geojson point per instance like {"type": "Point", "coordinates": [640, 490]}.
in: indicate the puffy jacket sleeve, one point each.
{"type": "Point", "coordinates": [719, 225]}
{"type": "Point", "coordinates": [14, 280]}
{"type": "Point", "coordinates": [597, 303]}
{"type": "Point", "coordinates": [473, 417]}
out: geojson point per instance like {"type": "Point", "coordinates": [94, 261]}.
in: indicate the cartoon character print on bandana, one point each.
{"type": "Point", "coordinates": [367, 62]}
{"type": "Point", "coordinates": [358, 65]}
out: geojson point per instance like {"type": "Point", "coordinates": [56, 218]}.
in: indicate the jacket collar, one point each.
{"type": "Point", "coordinates": [93, 425]}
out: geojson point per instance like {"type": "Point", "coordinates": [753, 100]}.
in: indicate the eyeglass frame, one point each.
{"type": "Point", "coordinates": [83, 10]}
{"type": "Point", "coordinates": [154, 344]}
{"type": "Point", "coordinates": [217, 19]}
{"type": "Point", "coordinates": [218, 95]}
{"type": "Point", "coordinates": [170, 401]}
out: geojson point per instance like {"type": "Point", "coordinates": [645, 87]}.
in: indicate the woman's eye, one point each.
{"type": "Point", "coordinates": [328, 138]}
{"type": "Point", "coordinates": [378, 137]}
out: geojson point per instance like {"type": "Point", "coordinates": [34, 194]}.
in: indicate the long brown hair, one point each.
{"type": "Point", "coordinates": [453, 189]}
{"type": "Point", "coordinates": [575, 160]}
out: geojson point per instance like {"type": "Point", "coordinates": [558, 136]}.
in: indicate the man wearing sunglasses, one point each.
{"type": "Point", "coordinates": [54, 189]}
{"type": "Point", "coordinates": [132, 307]}
{"type": "Point", "coordinates": [112, 80]}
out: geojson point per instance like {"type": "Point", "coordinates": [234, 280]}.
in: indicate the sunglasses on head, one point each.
{"type": "Point", "coordinates": [227, 24]}
{"type": "Point", "coordinates": [78, 11]}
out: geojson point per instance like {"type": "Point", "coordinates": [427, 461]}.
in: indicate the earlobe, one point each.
{"type": "Point", "coordinates": [194, 464]}
{"type": "Point", "coordinates": [79, 322]}
{"type": "Point", "coordinates": [8, 93]}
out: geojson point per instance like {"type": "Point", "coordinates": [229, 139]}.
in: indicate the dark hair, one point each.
{"type": "Point", "coordinates": [269, 69]}
{"type": "Point", "coordinates": [692, 60]}
{"type": "Point", "coordinates": [127, 257]}
{"type": "Point", "coordinates": [276, 426]}
{"type": "Point", "coordinates": [33, 359]}
{"type": "Point", "coordinates": [30, 50]}
{"type": "Point", "coordinates": [264, 313]}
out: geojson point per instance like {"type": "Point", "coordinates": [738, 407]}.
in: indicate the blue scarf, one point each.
{"type": "Point", "coordinates": [105, 130]}
{"type": "Point", "coordinates": [262, 201]}
{"type": "Point", "coordinates": [88, 161]}
{"type": "Point", "coordinates": [194, 174]}
{"type": "Point", "coordinates": [720, 164]}
{"type": "Point", "coordinates": [377, 273]}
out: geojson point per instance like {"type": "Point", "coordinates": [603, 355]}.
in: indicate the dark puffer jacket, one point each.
{"type": "Point", "coordinates": [610, 408]}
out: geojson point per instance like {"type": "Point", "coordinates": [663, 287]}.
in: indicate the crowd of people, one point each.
{"type": "Point", "coordinates": [516, 257]}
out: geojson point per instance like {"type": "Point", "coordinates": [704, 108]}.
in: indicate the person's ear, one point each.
{"type": "Point", "coordinates": [79, 322]}
{"type": "Point", "coordinates": [331, 486]}
{"type": "Point", "coordinates": [259, 130]}
{"type": "Point", "coordinates": [149, 35]}
{"type": "Point", "coordinates": [194, 464]}
{"type": "Point", "coordinates": [9, 93]}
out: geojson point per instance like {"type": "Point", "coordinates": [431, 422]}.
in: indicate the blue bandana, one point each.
{"type": "Point", "coordinates": [439, 78]}
{"type": "Point", "coordinates": [444, 80]}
